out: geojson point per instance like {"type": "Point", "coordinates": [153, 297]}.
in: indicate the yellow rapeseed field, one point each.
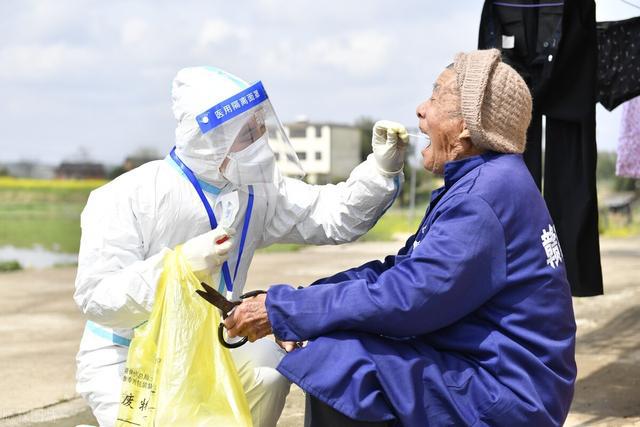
{"type": "Point", "coordinates": [7, 182]}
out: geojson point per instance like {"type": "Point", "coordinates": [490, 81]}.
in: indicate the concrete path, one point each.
{"type": "Point", "coordinates": [40, 328]}
{"type": "Point", "coordinates": [608, 345]}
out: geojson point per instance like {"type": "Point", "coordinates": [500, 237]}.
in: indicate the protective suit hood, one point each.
{"type": "Point", "coordinates": [194, 90]}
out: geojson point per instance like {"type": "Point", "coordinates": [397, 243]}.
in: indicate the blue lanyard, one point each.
{"type": "Point", "coordinates": [212, 218]}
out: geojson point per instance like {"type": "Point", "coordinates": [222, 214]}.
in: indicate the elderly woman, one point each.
{"type": "Point", "coordinates": [471, 323]}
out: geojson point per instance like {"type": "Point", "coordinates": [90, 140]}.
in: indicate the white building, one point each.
{"type": "Point", "coordinates": [328, 152]}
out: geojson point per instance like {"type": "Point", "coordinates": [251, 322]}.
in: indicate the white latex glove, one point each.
{"type": "Point", "coordinates": [389, 143]}
{"type": "Point", "coordinates": [209, 250]}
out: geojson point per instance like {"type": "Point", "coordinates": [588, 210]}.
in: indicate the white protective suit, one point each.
{"type": "Point", "coordinates": [130, 223]}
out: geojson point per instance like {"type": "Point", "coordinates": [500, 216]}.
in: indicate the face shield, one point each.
{"type": "Point", "coordinates": [247, 128]}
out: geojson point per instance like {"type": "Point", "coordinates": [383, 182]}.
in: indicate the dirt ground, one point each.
{"type": "Point", "coordinates": [40, 329]}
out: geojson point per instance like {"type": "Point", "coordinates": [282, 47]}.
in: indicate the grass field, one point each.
{"type": "Point", "coordinates": [47, 213]}
{"type": "Point", "coordinates": [393, 225]}
{"type": "Point", "coordinates": [43, 212]}
{"type": "Point", "coordinates": [616, 225]}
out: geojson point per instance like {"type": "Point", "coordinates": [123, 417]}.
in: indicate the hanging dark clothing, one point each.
{"type": "Point", "coordinates": [618, 61]}
{"type": "Point", "coordinates": [553, 46]}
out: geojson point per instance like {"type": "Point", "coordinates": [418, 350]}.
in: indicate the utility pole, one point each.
{"type": "Point", "coordinates": [412, 194]}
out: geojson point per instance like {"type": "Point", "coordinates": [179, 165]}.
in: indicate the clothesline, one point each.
{"type": "Point", "coordinates": [630, 4]}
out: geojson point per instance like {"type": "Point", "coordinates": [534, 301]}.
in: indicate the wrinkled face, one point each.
{"type": "Point", "coordinates": [440, 118]}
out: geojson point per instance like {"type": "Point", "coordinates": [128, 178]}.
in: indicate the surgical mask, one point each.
{"type": "Point", "coordinates": [254, 164]}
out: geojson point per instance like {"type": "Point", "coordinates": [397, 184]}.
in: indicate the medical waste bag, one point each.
{"type": "Point", "coordinates": [177, 373]}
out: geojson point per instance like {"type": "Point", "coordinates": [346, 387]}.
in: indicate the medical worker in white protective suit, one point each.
{"type": "Point", "coordinates": [129, 224]}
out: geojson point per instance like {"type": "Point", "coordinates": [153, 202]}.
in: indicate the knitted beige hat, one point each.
{"type": "Point", "coordinates": [495, 101]}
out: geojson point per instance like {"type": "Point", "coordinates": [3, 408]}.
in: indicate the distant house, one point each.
{"type": "Point", "coordinates": [29, 169]}
{"type": "Point", "coordinates": [80, 170]}
{"type": "Point", "coordinates": [328, 152]}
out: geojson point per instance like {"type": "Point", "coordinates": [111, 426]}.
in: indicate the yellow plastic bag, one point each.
{"type": "Point", "coordinates": [177, 373]}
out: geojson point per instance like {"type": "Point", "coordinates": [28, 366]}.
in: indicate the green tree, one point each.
{"type": "Point", "coordinates": [625, 184]}
{"type": "Point", "coordinates": [606, 168]}
{"type": "Point", "coordinates": [116, 172]}
{"type": "Point", "coordinates": [606, 171]}
{"type": "Point", "coordinates": [365, 124]}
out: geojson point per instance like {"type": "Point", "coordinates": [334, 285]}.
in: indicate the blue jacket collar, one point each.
{"type": "Point", "coordinates": [456, 169]}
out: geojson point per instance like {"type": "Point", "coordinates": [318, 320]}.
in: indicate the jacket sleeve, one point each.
{"type": "Point", "coordinates": [370, 270]}
{"type": "Point", "coordinates": [115, 284]}
{"type": "Point", "coordinates": [458, 266]}
{"type": "Point", "coordinates": [330, 214]}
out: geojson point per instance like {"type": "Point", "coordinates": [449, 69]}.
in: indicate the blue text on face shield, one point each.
{"type": "Point", "coordinates": [231, 107]}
